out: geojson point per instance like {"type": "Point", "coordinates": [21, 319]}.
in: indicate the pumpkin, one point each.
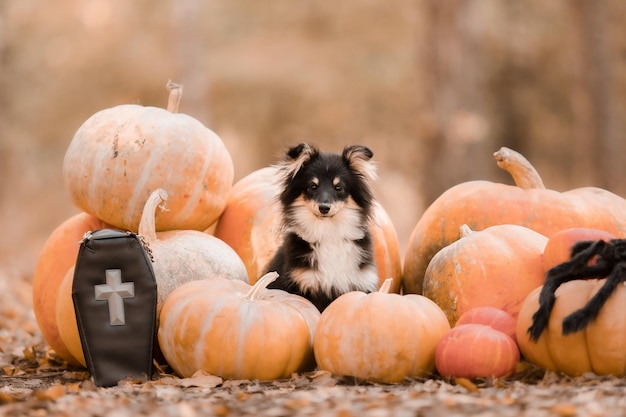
{"type": "Point", "coordinates": [58, 254]}
{"type": "Point", "coordinates": [120, 155]}
{"type": "Point", "coordinates": [179, 256]}
{"type": "Point", "coordinates": [251, 225]}
{"type": "Point", "coordinates": [476, 350]}
{"type": "Point", "coordinates": [498, 267]}
{"type": "Point", "coordinates": [481, 204]}
{"type": "Point", "coordinates": [493, 317]}
{"type": "Point", "coordinates": [251, 221]}
{"type": "Point", "coordinates": [65, 316]}
{"type": "Point", "coordinates": [599, 348]}
{"type": "Point", "coordinates": [235, 331]}
{"type": "Point", "coordinates": [559, 246]}
{"type": "Point", "coordinates": [380, 336]}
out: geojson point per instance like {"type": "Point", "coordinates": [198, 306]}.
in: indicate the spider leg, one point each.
{"type": "Point", "coordinates": [582, 253]}
{"type": "Point", "coordinates": [581, 246]}
{"type": "Point", "coordinates": [547, 298]}
{"type": "Point", "coordinates": [576, 268]}
{"type": "Point", "coordinates": [579, 319]}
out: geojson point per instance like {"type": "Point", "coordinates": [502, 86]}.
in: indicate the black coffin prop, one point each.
{"type": "Point", "coordinates": [115, 295]}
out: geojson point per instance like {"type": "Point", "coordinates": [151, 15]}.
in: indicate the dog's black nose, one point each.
{"type": "Point", "coordinates": [324, 208]}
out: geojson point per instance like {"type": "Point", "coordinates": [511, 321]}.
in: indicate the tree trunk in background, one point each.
{"type": "Point", "coordinates": [458, 149]}
{"type": "Point", "coordinates": [599, 152]}
{"type": "Point", "coordinates": [541, 79]}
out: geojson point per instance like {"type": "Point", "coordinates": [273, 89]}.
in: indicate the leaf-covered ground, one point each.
{"type": "Point", "coordinates": [34, 382]}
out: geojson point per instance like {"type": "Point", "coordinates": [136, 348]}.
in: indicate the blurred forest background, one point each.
{"type": "Point", "coordinates": [433, 87]}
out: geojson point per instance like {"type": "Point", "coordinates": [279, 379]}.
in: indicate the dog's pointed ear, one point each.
{"type": "Point", "coordinates": [359, 158]}
{"type": "Point", "coordinates": [296, 157]}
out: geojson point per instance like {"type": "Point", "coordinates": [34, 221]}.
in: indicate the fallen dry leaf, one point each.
{"type": "Point", "coordinates": [202, 380]}
{"type": "Point", "coordinates": [564, 409]}
{"type": "Point", "coordinates": [51, 393]}
{"type": "Point", "coordinates": [467, 384]}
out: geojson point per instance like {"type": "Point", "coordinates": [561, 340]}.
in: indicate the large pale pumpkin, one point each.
{"type": "Point", "coordinates": [56, 257]}
{"type": "Point", "coordinates": [185, 255]}
{"type": "Point", "coordinates": [121, 154]}
{"type": "Point", "coordinates": [599, 348]}
{"type": "Point", "coordinates": [179, 256]}
{"type": "Point", "coordinates": [498, 267]}
{"type": "Point", "coordinates": [251, 224]}
{"type": "Point", "coordinates": [528, 203]}
{"type": "Point", "coordinates": [235, 331]}
{"type": "Point", "coordinates": [380, 336]}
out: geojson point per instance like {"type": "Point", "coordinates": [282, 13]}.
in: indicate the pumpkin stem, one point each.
{"type": "Point", "coordinates": [176, 93]}
{"type": "Point", "coordinates": [386, 287]}
{"type": "Point", "coordinates": [465, 230]}
{"type": "Point", "coordinates": [147, 227]}
{"type": "Point", "coordinates": [260, 285]}
{"type": "Point", "coordinates": [522, 171]}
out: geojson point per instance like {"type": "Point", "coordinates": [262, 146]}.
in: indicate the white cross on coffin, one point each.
{"type": "Point", "coordinates": [114, 291]}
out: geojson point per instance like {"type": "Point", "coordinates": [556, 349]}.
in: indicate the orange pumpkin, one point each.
{"type": "Point", "coordinates": [251, 220]}
{"type": "Point", "coordinates": [121, 154]}
{"type": "Point", "coordinates": [498, 267]}
{"type": "Point", "coordinates": [56, 257]}
{"type": "Point", "coordinates": [599, 348]}
{"type": "Point", "coordinates": [179, 256]}
{"type": "Point", "coordinates": [476, 350]}
{"type": "Point", "coordinates": [559, 246]}
{"type": "Point", "coordinates": [235, 331]}
{"type": "Point", "coordinates": [380, 336]}
{"type": "Point", "coordinates": [493, 317]}
{"type": "Point", "coordinates": [251, 225]}
{"type": "Point", "coordinates": [66, 319]}
{"type": "Point", "coordinates": [480, 204]}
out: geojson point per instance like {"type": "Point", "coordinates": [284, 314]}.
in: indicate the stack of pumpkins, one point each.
{"type": "Point", "coordinates": [471, 276]}
{"type": "Point", "coordinates": [169, 178]}
{"type": "Point", "coordinates": [122, 164]}
{"type": "Point", "coordinates": [487, 244]}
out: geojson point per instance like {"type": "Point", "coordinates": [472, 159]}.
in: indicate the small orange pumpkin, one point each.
{"type": "Point", "coordinates": [65, 316]}
{"type": "Point", "coordinates": [493, 317]}
{"type": "Point", "coordinates": [559, 246]}
{"type": "Point", "coordinates": [599, 348]}
{"type": "Point", "coordinates": [380, 336]}
{"type": "Point", "coordinates": [476, 350]}
{"type": "Point", "coordinates": [121, 154]}
{"type": "Point", "coordinates": [235, 331]}
{"type": "Point", "coordinates": [480, 204]}
{"type": "Point", "coordinates": [56, 257]}
{"type": "Point", "coordinates": [498, 267]}
{"type": "Point", "coordinates": [251, 225]}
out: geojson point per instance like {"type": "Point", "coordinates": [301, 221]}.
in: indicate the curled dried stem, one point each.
{"type": "Point", "coordinates": [176, 93]}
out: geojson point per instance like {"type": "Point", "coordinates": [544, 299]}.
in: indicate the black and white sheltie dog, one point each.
{"type": "Point", "coordinates": [326, 202]}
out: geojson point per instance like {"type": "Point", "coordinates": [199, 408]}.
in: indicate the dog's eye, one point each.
{"type": "Point", "coordinates": [312, 186]}
{"type": "Point", "coordinates": [338, 188]}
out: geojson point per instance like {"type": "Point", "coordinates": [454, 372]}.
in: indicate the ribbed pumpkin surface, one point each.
{"type": "Point", "coordinates": [218, 327]}
{"type": "Point", "coordinates": [599, 348]}
{"type": "Point", "coordinates": [380, 336]}
{"type": "Point", "coordinates": [121, 154]}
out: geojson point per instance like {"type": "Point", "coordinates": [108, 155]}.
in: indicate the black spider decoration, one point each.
{"type": "Point", "coordinates": [610, 263]}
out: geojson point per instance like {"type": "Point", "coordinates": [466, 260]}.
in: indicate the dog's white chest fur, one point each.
{"type": "Point", "coordinates": [336, 258]}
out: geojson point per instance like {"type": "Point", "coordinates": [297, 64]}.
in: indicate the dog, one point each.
{"type": "Point", "coordinates": [326, 204]}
